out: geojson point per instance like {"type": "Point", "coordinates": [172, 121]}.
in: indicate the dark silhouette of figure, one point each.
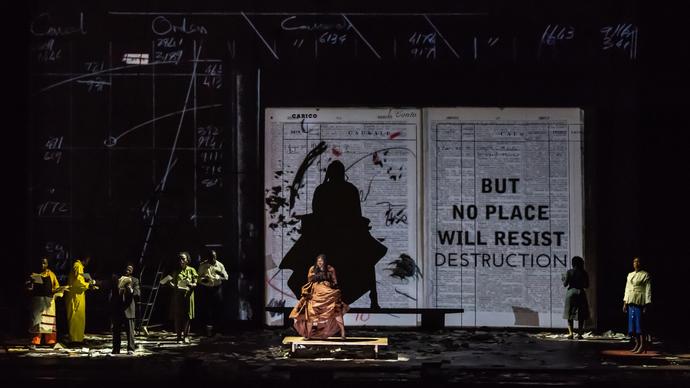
{"type": "Point", "coordinates": [576, 305]}
{"type": "Point", "coordinates": [124, 295]}
{"type": "Point", "coordinates": [336, 228]}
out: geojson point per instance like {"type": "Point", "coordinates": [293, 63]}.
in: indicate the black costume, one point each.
{"type": "Point", "coordinates": [337, 229]}
{"type": "Point", "coordinates": [123, 307]}
{"type": "Point", "coordinates": [576, 305]}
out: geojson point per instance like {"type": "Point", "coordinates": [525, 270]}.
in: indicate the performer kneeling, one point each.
{"type": "Point", "coordinates": [319, 312]}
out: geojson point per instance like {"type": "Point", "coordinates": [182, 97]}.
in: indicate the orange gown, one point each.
{"type": "Point", "coordinates": [320, 309]}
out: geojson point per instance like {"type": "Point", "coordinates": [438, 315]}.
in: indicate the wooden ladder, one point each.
{"type": "Point", "coordinates": [144, 322]}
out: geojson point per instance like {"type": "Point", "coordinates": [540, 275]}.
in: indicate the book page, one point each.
{"type": "Point", "coordinates": [379, 149]}
{"type": "Point", "coordinates": [504, 212]}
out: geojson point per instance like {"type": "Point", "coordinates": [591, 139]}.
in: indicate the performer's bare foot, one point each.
{"type": "Point", "coordinates": [643, 346]}
{"type": "Point", "coordinates": [636, 347]}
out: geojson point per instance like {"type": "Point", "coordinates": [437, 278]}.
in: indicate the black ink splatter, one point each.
{"type": "Point", "coordinates": [392, 216]}
{"type": "Point", "coordinates": [274, 200]}
{"type": "Point", "coordinates": [404, 267]}
{"type": "Point", "coordinates": [275, 303]}
{"type": "Point", "coordinates": [376, 160]}
{"type": "Point", "coordinates": [276, 196]}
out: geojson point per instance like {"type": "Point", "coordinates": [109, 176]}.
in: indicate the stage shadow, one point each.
{"type": "Point", "coordinates": [337, 229]}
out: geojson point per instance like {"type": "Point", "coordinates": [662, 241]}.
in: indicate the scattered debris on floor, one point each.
{"type": "Point", "coordinates": [465, 348]}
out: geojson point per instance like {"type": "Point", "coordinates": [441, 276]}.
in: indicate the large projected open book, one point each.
{"type": "Point", "coordinates": [478, 208]}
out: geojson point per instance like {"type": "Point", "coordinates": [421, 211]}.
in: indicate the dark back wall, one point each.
{"type": "Point", "coordinates": [635, 162]}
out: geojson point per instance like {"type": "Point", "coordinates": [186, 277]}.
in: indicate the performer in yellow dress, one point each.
{"type": "Point", "coordinates": [76, 300]}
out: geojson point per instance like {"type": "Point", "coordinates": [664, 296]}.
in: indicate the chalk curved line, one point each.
{"type": "Point", "coordinates": [165, 116]}
{"type": "Point", "coordinates": [98, 72]}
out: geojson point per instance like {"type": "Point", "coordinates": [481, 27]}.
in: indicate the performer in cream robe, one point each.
{"type": "Point", "coordinates": [638, 295]}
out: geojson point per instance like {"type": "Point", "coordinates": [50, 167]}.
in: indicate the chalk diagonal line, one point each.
{"type": "Point", "coordinates": [442, 37]}
{"type": "Point", "coordinates": [172, 154]}
{"type": "Point", "coordinates": [179, 126]}
{"type": "Point", "coordinates": [361, 36]}
{"type": "Point", "coordinates": [98, 72]}
{"type": "Point", "coordinates": [260, 36]}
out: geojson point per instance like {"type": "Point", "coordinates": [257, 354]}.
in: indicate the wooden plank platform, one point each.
{"type": "Point", "coordinates": [337, 341]}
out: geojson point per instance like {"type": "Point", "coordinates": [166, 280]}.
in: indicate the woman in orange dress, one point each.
{"type": "Point", "coordinates": [44, 287]}
{"type": "Point", "coordinates": [319, 312]}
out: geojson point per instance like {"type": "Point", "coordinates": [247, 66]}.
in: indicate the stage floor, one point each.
{"type": "Point", "coordinates": [258, 358]}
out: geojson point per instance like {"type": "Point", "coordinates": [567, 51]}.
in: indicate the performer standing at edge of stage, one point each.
{"type": "Point", "coordinates": [44, 288]}
{"type": "Point", "coordinates": [319, 312]}
{"type": "Point", "coordinates": [76, 300]}
{"type": "Point", "coordinates": [576, 305]}
{"type": "Point", "coordinates": [211, 276]}
{"type": "Point", "coordinates": [183, 281]}
{"type": "Point", "coordinates": [638, 295]}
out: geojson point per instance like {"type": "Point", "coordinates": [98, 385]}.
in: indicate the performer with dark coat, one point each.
{"type": "Point", "coordinates": [337, 229]}
{"type": "Point", "coordinates": [576, 305]}
{"type": "Point", "coordinates": [124, 295]}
